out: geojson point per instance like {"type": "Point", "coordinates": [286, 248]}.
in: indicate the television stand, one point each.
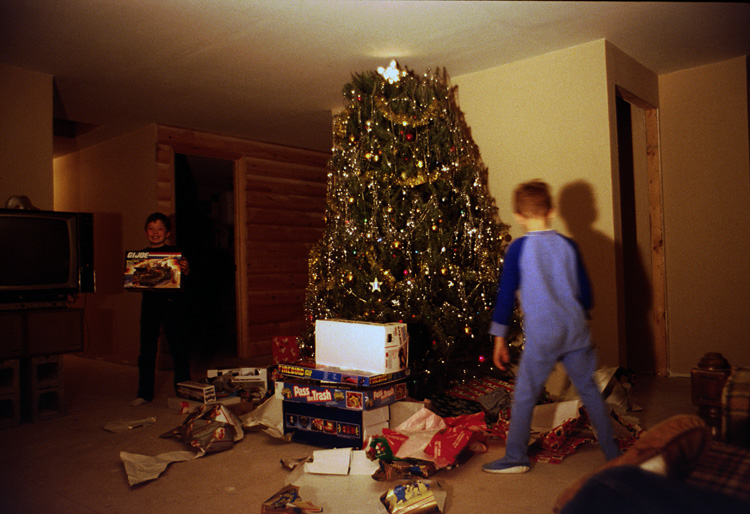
{"type": "Point", "coordinates": [39, 332]}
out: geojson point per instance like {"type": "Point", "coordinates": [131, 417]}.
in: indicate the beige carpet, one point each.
{"type": "Point", "coordinates": [72, 465]}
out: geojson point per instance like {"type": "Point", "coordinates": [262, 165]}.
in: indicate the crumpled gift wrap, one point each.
{"type": "Point", "coordinates": [213, 427]}
{"type": "Point", "coordinates": [142, 468]}
{"type": "Point", "coordinates": [410, 498]}
{"type": "Point", "coordinates": [288, 501]}
{"type": "Point", "coordinates": [427, 438]}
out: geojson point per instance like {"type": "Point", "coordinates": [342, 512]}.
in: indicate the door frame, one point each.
{"type": "Point", "coordinates": [658, 273]}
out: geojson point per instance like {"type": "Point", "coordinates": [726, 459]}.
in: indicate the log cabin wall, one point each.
{"type": "Point", "coordinates": [282, 191]}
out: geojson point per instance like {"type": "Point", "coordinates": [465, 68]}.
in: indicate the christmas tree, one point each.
{"type": "Point", "coordinates": [412, 233]}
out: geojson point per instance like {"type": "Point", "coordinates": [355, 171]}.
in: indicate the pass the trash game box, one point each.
{"type": "Point", "coordinates": [340, 396]}
{"type": "Point", "coordinates": [332, 427]}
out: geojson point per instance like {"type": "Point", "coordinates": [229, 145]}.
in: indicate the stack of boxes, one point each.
{"type": "Point", "coordinates": [43, 386]}
{"type": "Point", "coordinates": [227, 386]}
{"type": "Point", "coordinates": [10, 393]}
{"type": "Point", "coordinates": [344, 396]}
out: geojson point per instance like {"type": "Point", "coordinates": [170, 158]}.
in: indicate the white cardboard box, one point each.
{"type": "Point", "coordinates": [373, 347]}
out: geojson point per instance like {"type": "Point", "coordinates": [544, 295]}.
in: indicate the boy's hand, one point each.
{"type": "Point", "coordinates": [185, 266]}
{"type": "Point", "coordinates": [500, 356]}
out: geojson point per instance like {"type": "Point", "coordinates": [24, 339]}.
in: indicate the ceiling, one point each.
{"type": "Point", "coordinates": [273, 70]}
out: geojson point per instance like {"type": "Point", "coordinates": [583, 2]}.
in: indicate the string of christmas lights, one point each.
{"type": "Point", "coordinates": [412, 233]}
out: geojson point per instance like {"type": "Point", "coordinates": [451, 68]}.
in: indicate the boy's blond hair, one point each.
{"type": "Point", "coordinates": [532, 199]}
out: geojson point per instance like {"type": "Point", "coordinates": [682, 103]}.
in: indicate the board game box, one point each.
{"type": "Point", "coordinates": [331, 427]}
{"type": "Point", "coordinates": [311, 370]}
{"type": "Point", "coordinates": [341, 396]}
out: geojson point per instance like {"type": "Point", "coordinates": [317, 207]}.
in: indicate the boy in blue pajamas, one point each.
{"type": "Point", "coordinates": [546, 270]}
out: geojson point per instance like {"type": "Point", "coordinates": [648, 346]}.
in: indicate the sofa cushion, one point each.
{"type": "Point", "coordinates": [735, 401]}
{"type": "Point", "coordinates": [723, 468]}
{"type": "Point", "coordinates": [676, 443]}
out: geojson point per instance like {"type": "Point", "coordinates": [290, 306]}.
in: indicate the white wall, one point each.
{"type": "Point", "coordinates": [548, 117]}
{"type": "Point", "coordinates": [116, 180]}
{"type": "Point", "coordinates": [26, 142]}
{"type": "Point", "coordinates": [706, 180]}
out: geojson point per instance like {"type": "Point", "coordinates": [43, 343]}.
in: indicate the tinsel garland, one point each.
{"type": "Point", "coordinates": [411, 233]}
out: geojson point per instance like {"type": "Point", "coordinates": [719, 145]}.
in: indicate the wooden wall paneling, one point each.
{"type": "Point", "coordinates": [280, 197]}
{"type": "Point", "coordinates": [285, 217]}
{"type": "Point", "coordinates": [165, 195]}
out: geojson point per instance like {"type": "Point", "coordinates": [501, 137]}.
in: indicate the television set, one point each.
{"type": "Point", "coordinates": [46, 257]}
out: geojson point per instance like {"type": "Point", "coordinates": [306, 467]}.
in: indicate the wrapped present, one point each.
{"type": "Point", "coordinates": [285, 349]}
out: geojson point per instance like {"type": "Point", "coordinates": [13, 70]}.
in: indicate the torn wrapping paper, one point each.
{"type": "Point", "coordinates": [407, 469]}
{"type": "Point", "coordinates": [142, 468]}
{"type": "Point", "coordinates": [212, 428]}
{"type": "Point", "coordinates": [426, 437]}
{"type": "Point", "coordinates": [411, 498]}
{"type": "Point", "coordinates": [552, 423]}
{"type": "Point", "coordinates": [268, 417]}
{"type": "Point", "coordinates": [288, 501]}
{"type": "Point", "coordinates": [614, 383]}
{"type": "Point", "coordinates": [124, 425]}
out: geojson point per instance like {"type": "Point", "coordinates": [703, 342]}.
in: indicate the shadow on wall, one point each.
{"type": "Point", "coordinates": [576, 207]}
{"type": "Point", "coordinates": [109, 255]}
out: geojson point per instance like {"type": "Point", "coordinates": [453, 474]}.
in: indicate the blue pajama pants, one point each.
{"type": "Point", "coordinates": [534, 368]}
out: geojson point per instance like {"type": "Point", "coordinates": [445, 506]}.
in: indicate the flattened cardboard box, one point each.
{"type": "Point", "coordinates": [331, 427]}
{"type": "Point", "coordinates": [314, 371]}
{"type": "Point", "coordinates": [373, 347]}
{"type": "Point", "coordinates": [342, 397]}
{"type": "Point", "coordinates": [152, 270]}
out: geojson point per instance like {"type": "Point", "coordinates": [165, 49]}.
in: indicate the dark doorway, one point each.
{"type": "Point", "coordinates": [204, 191]}
{"type": "Point", "coordinates": [636, 255]}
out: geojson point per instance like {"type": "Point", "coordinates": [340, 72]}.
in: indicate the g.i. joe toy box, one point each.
{"type": "Point", "coordinates": [331, 427]}
{"type": "Point", "coordinates": [310, 370]}
{"type": "Point", "coordinates": [152, 270]}
{"type": "Point", "coordinates": [342, 397]}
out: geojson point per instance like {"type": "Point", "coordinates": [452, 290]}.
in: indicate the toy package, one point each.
{"type": "Point", "coordinates": [152, 270]}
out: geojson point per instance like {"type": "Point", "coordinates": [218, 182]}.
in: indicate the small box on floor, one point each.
{"type": "Point", "coordinates": [152, 270]}
{"type": "Point", "coordinates": [331, 427]}
{"type": "Point", "coordinates": [247, 379]}
{"type": "Point", "coordinates": [196, 391]}
{"type": "Point", "coordinates": [373, 347]}
{"type": "Point", "coordinates": [340, 396]}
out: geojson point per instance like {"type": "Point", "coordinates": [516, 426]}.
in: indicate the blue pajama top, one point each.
{"type": "Point", "coordinates": [547, 271]}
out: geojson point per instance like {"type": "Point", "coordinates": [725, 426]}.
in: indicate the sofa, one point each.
{"type": "Point", "coordinates": [683, 464]}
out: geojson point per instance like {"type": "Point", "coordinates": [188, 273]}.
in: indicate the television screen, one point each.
{"type": "Point", "coordinates": [44, 255]}
{"type": "Point", "coordinates": [36, 252]}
